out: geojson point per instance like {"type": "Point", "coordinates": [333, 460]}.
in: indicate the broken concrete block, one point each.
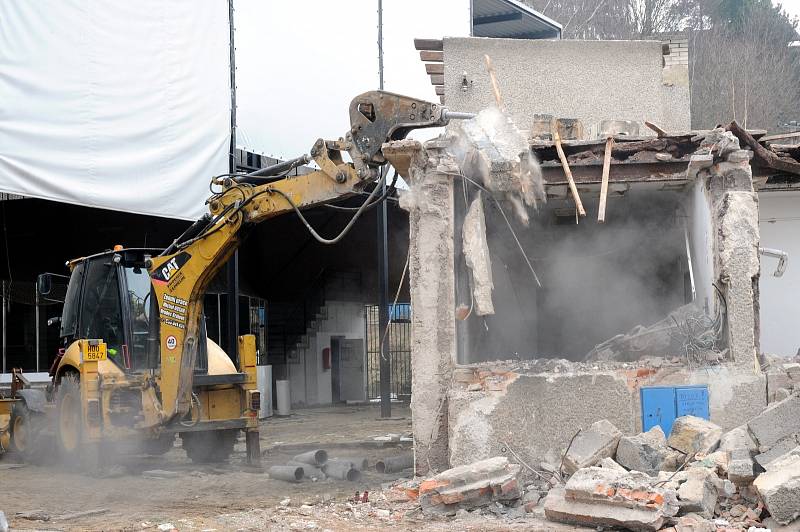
{"type": "Point", "coordinates": [477, 257]}
{"type": "Point", "coordinates": [647, 452]}
{"type": "Point", "coordinates": [694, 523]}
{"type": "Point", "coordinates": [777, 422]}
{"type": "Point", "coordinates": [785, 458]}
{"type": "Point", "coordinates": [741, 467]}
{"type": "Point", "coordinates": [596, 496]}
{"type": "Point", "coordinates": [776, 451]}
{"type": "Point", "coordinates": [592, 445]}
{"type": "Point", "coordinates": [779, 489]}
{"type": "Point", "coordinates": [738, 438]}
{"type": "Point", "coordinates": [691, 434]}
{"type": "Point", "coordinates": [698, 493]}
{"type": "Point", "coordinates": [609, 463]}
{"type": "Point", "coordinates": [716, 461]}
{"type": "Point", "coordinates": [470, 486]}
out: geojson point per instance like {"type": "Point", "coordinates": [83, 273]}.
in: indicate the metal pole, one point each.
{"type": "Point", "coordinates": [4, 327]}
{"type": "Point", "coordinates": [36, 317]}
{"type": "Point", "coordinates": [383, 262]}
{"type": "Point", "coordinates": [233, 263]}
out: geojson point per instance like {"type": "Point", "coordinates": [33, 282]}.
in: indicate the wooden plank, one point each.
{"type": "Point", "coordinates": [568, 173]}
{"type": "Point", "coordinates": [434, 57]}
{"type": "Point", "coordinates": [439, 90]}
{"type": "Point", "coordinates": [437, 79]}
{"type": "Point", "coordinates": [780, 136]}
{"type": "Point", "coordinates": [436, 68]}
{"type": "Point", "coordinates": [601, 211]}
{"type": "Point", "coordinates": [660, 132]}
{"type": "Point", "coordinates": [498, 98]}
{"type": "Point", "coordinates": [435, 45]}
{"type": "Point", "coordinates": [761, 153]}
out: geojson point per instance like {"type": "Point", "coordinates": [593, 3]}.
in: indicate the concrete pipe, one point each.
{"type": "Point", "coordinates": [360, 464]}
{"type": "Point", "coordinates": [287, 473]}
{"type": "Point", "coordinates": [316, 458]}
{"type": "Point", "coordinates": [341, 470]}
{"type": "Point", "coordinates": [309, 471]}
{"type": "Point", "coordinates": [395, 464]}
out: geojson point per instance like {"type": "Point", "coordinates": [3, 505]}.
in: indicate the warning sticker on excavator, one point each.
{"type": "Point", "coordinates": [172, 342]}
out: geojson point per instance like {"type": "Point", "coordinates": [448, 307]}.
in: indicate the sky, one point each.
{"type": "Point", "coordinates": [300, 63]}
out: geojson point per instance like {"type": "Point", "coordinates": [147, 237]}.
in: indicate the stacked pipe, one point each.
{"type": "Point", "coordinates": [314, 465]}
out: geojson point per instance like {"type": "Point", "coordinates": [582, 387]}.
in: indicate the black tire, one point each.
{"type": "Point", "coordinates": [29, 437]}
{"type": "Point", "coordinates": [69, 419]}
{"type": "Point", "coordinates": [211, 446]}
{"type": "Point", "coordinates": [161, 445]}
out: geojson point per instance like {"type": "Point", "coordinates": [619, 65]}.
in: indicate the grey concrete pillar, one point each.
{"type": "Point", "coordinates": [735, 215]}
{"type": "Point", "coordinates": [431, 272]}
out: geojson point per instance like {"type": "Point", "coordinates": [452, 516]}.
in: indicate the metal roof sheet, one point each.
{"type": "Point", "coordinates": [511, 19]}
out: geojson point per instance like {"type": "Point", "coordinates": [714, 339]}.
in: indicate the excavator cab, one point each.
{"type": "Point", "coordinates": [109, 297]}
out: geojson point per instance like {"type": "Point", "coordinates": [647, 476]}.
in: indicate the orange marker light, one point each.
{"type": "Point", "coordinates": [118, 247]}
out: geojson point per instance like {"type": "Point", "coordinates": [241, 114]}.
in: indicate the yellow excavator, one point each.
{"type": "Point", "coordinates": [136, 367]}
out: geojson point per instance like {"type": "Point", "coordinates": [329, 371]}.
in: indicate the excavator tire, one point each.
{"type": "Point", "coordinates": [74, 452]}
{"type": "Point", "coordinates": [209, 446]}
{"type": "Point", "coordinates": [160, 445]}
{"type": "Point", "coordinates": [29, 437]}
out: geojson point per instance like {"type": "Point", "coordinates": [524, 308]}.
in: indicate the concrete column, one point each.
{"type": "Point", "coordinates": [735, 211]}
{"type": "Point", "coordinates": [431, 272]}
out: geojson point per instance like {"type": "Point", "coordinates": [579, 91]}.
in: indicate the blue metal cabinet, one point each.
{"type": "Point", "coordinates": [662, 404]}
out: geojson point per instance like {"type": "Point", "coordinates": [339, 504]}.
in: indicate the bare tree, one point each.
{"type": "Point", "coordinates": [740, 64]}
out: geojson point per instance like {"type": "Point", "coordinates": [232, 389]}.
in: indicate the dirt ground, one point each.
{"type": "Point", "coordinates": [234, 496]}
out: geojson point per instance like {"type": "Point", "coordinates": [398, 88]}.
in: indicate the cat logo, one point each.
{"type": "Point", "coordinates": [166, 271]}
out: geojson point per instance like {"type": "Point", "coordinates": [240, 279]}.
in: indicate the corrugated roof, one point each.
{"type": "Point", "coordinates": [511, 19]}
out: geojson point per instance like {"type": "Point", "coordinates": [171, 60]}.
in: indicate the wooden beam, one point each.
{"type": "Point", "coordinates": [601, 211]}
{"type": "Point", "coordinates": [437, 79]}
{"type": "Point", "coordinates": [660, 132]}
{"type": "Point", "coordinates": [436, 68]}
{"type": "Point", "coordinates": [780, 136]}
{"type": "Point", "coordinates": [434, 57]}
{"type": "Point", "coordinates": [435, 45]}
{"type": "Point", "coordinates": [439, 90]}
{"type": "Point", "coordinates": [498, 97]}
{"type": "Point", "coordinates": [568, 173]}
{"type": "Point", "coordinates": [761, 153]}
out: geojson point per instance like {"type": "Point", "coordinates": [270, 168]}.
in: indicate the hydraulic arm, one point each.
{"type": "Point", "coordinates": [182, 273]}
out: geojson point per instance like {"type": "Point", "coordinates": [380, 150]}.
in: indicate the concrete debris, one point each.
{"type": "Point", "coordinates": [716, 461]}
{"type": "Point", "coordinates": [470, 486]}
{"type": "Point", "coordinates": [778, 422]}
{"type": "Point", "coordinates": [778, 450]}
{"type": "Point", "coordinates": [691, 435]}
{"type": "Point", "coordinates": [694, 523]}
{"type": "Point", "coordinates": [3, 522]}
{"type": "Point", "coordinates": [610, 463]}
{"type": "Point", "coordinates": [779, 488]}
{"type": "Point", "coordinates": [590, 446]}
{"type": "Point", "coordinates": [648, 452]}
{"type": "Point", "coordinates": [661, 339]}
{"type": "Point", "coordinates": [477, 257]}
{"type": "Point", "coordinates": [741, 467]}
{"type": "Point", "coordinates": [159, 473]}
{"type": "Point", "coordinates": [603, 497]}
{"type": "Point", "coordinates": [738, 438]}
{"type": "Point", "coordinates": [698, 492]}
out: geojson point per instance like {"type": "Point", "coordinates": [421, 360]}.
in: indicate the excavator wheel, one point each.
{"type": "Point", "coordinates": [69, 424]}
{"type": "Point", "coordinates": [29, 438]}
{"type": "Point", "coordinates": [209, 446]}
{"type": "Point", "coordinates": [160, 445]}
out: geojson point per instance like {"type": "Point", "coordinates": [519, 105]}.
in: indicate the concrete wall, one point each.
{"type": "Point", "coordinates": [590, 80]}
{"type": "Point", "coordinates": [779, 223]}
{"type": "Point", "coordinates": [702, 245]}
{"type": "Point", "coordinates": [536, 414]}
{"type": "Point", "coordinates": [310, 383]}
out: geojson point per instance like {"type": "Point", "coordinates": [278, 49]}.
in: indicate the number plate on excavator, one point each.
{"type": "Point", "coordinates": [95, 352]}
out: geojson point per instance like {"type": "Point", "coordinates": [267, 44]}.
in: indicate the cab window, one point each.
{"type": "Point", "coordinates": [69, 315]}
{"type": "Point", "coordinates": [101, 313]}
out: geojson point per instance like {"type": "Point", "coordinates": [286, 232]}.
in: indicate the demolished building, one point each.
{"type": "Point", "coordinates": [649, 316]}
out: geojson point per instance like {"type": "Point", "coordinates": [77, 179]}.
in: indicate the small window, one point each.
{"type": "Point", "coordinates": [69, 317]}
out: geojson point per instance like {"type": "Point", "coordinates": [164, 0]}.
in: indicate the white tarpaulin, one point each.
{"type": "Point", "coordinates": [115, 104]}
